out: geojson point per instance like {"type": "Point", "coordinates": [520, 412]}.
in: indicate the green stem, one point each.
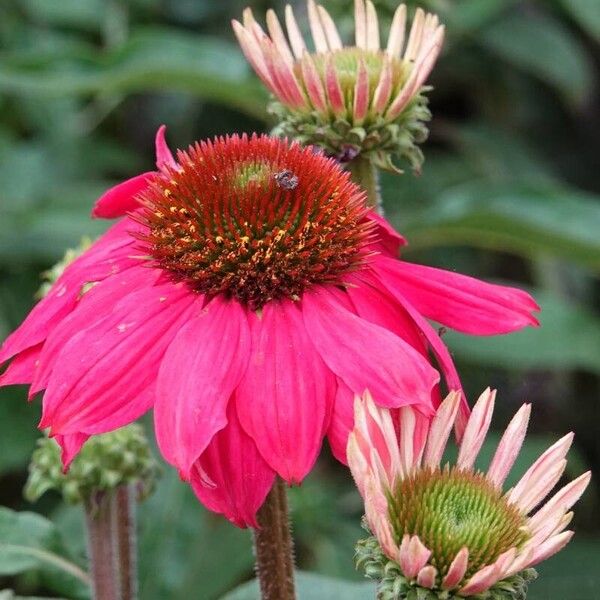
{"type": "Point", "coordinates": [124, 532]}
{"type": "Point", "coordinates": [365, 174]}
{"type": "Point", "coordinates": [99, 522]}
{"type": "Point", "coordinates": [273, 547]}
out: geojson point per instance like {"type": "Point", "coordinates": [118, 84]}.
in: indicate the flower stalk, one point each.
{"type": "Point", "coordinates": [366, 174]}
{"type": "Point", "coordinates": [125, 539]}
{"type": "Point", "coordinates": [273, 547]}
{"type": "Point", "coordinates": [101, 548]}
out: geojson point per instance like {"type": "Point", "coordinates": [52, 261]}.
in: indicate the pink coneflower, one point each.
{"type": "Point", "coordinates": [246, 293]}
{"type": "Point", "coordinates": [452, 529]}
{"type": "Point", "coordinates": [350, 99]}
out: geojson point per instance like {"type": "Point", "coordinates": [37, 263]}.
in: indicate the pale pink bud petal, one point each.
{"type": "Point", "coordinates": [550, 547]}
{"type": "Point", "coordinates": [360, 19]}
{"type": "Point", "coordinates": [457, 569]}
{"type": "Point", "coordinates": [413, 556]}
{"type": "Point", "coordinates": [440, 430]}
{"type": "Point", "coordinates": [313, 83]}
{"type": "Point", "coordinates": [334, 91]}
{"type": "Point", "coordinates": [480, 581]}
{"type": "Point", "coordinates": [520, 562]}
{"type": "Point", "coordinates": [278, 37]}
{"type": "Point", "coordinates": [551, 525]}
{"type": "Point", "coordinates": [316, 28]}
{"type": "Point", "coordinates": [358, 463]}
{"type": "Point", "coordinates": [373, 42]}
{"type": "Point", "coordinates": [397, 32]}
{"type": "Point", "coordinates": [476, 430]}
{"type": "Point", "coordinates": [361, 94]}
{"type": "Point", "coordinates": [383, 90]}
{"type": "Point", "coordinates": [294, 34]}
{"type": "Point", "coordinates": [331, 32]}
{"type": "Point", "coordinates": [562, 501]}
{"type": "Point", "coordinates": [540, 468]}
{"type": "Point", "coordinates": [540, 487]}
{"type": "Point", "coordinates": [283, 75]}
{"type": "Point", "coordinates": [407, 430]}
{"type": "Point", "coordinates": [253, 53]}
{"type": "Point", "coordinates": [426, 576]}
{"type": "Point", "coordinates": [415, 36]}
{"type": "Point", "coordinates": [509, 447]}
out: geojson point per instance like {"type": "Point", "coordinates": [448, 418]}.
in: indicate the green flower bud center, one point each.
{"type": "Point", "coordinates": [449, 509]}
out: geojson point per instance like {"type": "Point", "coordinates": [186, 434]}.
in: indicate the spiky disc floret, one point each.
{"type": "Point", "coordinates": [452, 508]}
{"type": "Point", "coordinates": [255, 218]}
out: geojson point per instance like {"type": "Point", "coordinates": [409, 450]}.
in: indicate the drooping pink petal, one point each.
{"type": "Point", "coordinates": [285, 399]}
{"type": "Point", "coordinates": [240, 478]}
{"type": "Point", "coordinates": [509, 447]}
{"type": "Point", "coordinates": [164, 156]}
{"type": "Point", "coordinates": [70, 445]}
{"type": "Point", "coordinates": [122, 198]}
{"type": "Point", "coordinates": [342, 421]}
{"type": "Point", "coordinates": [366, 356]}
{"type": "Point", "coordinates": [93, 307]}
{"type": "Point", "coordinates": [458, 301]}
{"type": "Point", "coordinates": [108, 256]}
{"type": "Point", "coordinates": [102, 373]}
{"type": "Point", "coordinates": [198, 374]}
{"type": "Point", "coordinates": [22, 368]}
{"type": "Point", "coordinates": [388, 239]}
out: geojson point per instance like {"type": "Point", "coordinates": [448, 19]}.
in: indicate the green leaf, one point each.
{"type": "Point", "coordinates": [311, 586]}
{"type": "Point", "coordinates": [586, 13]}
{"type": "Point", "coordinates": [569, 338]}
{"type": "Point", "coordinates": [72, 13]}
{"type": "Point", "coordinates": [10, 595]}
{"type": "Point", "coordinates": [153, 58]}
{"type": "Point", "coordinates": [29, 542]}
{"type": "Point", "coordinates": [531, 221]}
{"type": "Point", "coordinates": [542, 46]}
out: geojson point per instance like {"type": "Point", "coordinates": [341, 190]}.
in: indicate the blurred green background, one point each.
{"type": "Point", "coordinates": [510, 191]}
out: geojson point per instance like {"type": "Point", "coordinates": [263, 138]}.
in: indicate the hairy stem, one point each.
{"type": "Point", "coordinates": [124, 528]}
{"type": "Point", "coordinates": [274, 548]}
{"type": "Point", "coordinates": [101, 547]}
{"type": "Point", "coordinates": [365, 174]}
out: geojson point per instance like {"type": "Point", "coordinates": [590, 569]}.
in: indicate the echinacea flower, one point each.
{"type": "Point", "coordinates": [452, 529]}
{"type": "Point", "coordinates": [246, 294]}
{"type": "Point", "coordinates": [358, 99]}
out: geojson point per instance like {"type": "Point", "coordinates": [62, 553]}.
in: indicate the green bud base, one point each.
{"type": "Point", "coordinates": [392, 585]}
{"type": "Point", "coordinates": [105, 463]}
{"type": "Point", "coordinates": [380, 141]}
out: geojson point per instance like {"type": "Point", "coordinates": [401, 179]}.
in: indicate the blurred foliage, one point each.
{"type": "Point", "coordinates": [510, 191]}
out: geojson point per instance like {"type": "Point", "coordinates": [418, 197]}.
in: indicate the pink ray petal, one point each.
{"type": "Point", "coordinates": [509, 447]}
{"type": "Point", "coordinates": [440, 430]}
{"type": "Point", "coordinates": [285, 399]}
{"type": "Point", "coordinates": [480, 581]}
{"type": "Point", "coordinates": [373, 42]}
{"type": "Point", "coordinates": [240, 478]}
{"type": "Point", "coordinates": [294, 34]}
{"type": "Point", "coordinates": [164, 156]}
{"type": "Point", "coordinates": [316, 28]}
{"type": "Point", "coordinates": [122, 198]}
{"type": "Point", "coordinates": [198, 374]}
{"type": "Point", "coordinates": [361, 94]}
{"type": "Point", "coordinates": [397, 32]}
{"type": "Point", "coordinates": [331, 32]}
{"type": "Point", "coordinates": [360, 23]}
{"type": "Point", "coordinates": [313, 83]}
{"type": "Point", "coordinates": [383, 90]}
{"type": "Point", "coordinates": [278, 37]}
{"type": "Point", "coordinates": [550, 547]}
{"type": "Point", "coordinates": [415, 36]}
{"type": "Point", "coordinates": [537, 474]}
{"type": "Point", "coordinates": [469, 305]}
{"type": "Point", "coordinates": [70, 445]}
{"type": "Point", "coordinates": [110, 364]}
{"type": "Point", "coordinates": [456, 570]}
{"type": "Point", "coordinates": [476, 430]}
{"type": "Point", "coordinates": [332, 85]}
{"type": "Point", "coordinates": [366, 356]}
{"type": "Point", "coordinates": [389, 240]}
